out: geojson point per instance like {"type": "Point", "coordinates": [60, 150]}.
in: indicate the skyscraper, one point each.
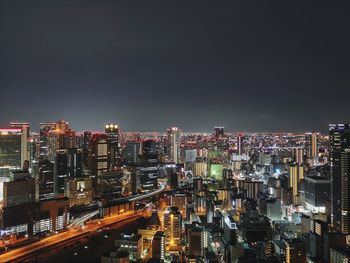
{"type": "Point", "coordinates": [20, 191]}
{"type": "Point", "coordinates": [98, 158]}
{"type": "Point", "coordinates": [25, 139]}
{"type": "Point", "coordinates": [10, 147]}
{"type": "Point", "coordinates": [132, 153]}
{"type": "Point", "coordinates": [43, 171]}
{"type": "Point", "coordinates": [296, 174]}
{"type": "Point", "coordinates": [112, 132]}
{"type": "Point", "coordinates": [311, 145]}
{"type": "Point", "coordinates": [172, 225]}
{"type": "Point", "coordinates": [339, 139]}
{"type": "Point", "coordinates": [68, 165]}
{"type": "Point", "coordinates": [173, 146]}
{"type": "Point", "coordinates": [45, 128]}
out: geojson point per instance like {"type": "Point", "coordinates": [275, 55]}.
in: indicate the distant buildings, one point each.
{"type": "Point", "coordinates": [173, 146]}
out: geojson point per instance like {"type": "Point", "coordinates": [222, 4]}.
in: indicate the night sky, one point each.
{"type": "Point", "coordinates": [247, 65]}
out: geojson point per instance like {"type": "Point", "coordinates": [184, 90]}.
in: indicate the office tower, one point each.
{"type": "Point", "coordinates": [132, 153]}
{"type": "Point", "coordinates": [10, 148]}
{"type": "Point", "coordinates": [317, 191]}
{"type": "Point", "coordinates": [299, 155]}
{"type": "Point", "coordinates": [219, 132]}
{"type": "Point", "coordinates": [110, 183]}
{"type": "Point", "coordinates": [25, 139]}
{"type": "Point", "coordinates": [173, 147]}
{"type": "Point", "coordinates": [148, 167]}
{"type": "Point", "coordinates": [45, 128]}
{"type": "Point", "coordinates": [79, 191]}
{"type": "Point", "coordinates": [112, 132]}
{"type": "Point", "coordinates": [296, 174]}
{"type": "Point", "coordinates": [43, 172]}
{"type": "Point", "coordinates": [99, 162]}
{"type": "Point", "coordinates": [311, 145]}
{"type": "Point", "coordinates": [149, 148]}
{"type": "Point", "coordinates": [172, 226]}
{"type": "Point", "coordinates": [295, 251]}
{"type": "Point", "coordinates": [34, 147]}
{"type": "Point", "coordinates": [68, 165]}
{"type": "Point", "coordinates": [158, 246]}
{"type": "Point", "coordinates": [86, 142]}
{"type": "Point", "coordinates": [58, 136]}
{"type": "Point", "coordinates": [148, 176]}
{"type": "Point", "coordinates": [339, 139]}
{"type": "Point", "coordinates": [20, 191]}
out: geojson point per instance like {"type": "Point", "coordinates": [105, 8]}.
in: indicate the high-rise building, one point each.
{"type": "Point", "coordinates": [317, 191]}
{"type": "Point", "coordinates": [43, 172]}
{"type": "Point", "coordinates": [98, 158]}
{"type": "Point", "coordinates": [339, 138]}
{"type": "Point", "coordinates": [299, 155]}
{"type": "Point", "coordinates": [25, 139]}
{"type": "Point", "coordinates": [20, 191]}
{"type": "Point", "coordinates": [79, 191]}
{"type": "Point", "coordinates": [296, 174]}
{"type": "Point", "coordinates": [173, 146]}
{"type": "Point", "coordinates": [86, 142]}
{"type": "Point", "coordinates": [311, 147]}
{"type": "Point", "coordinates": [68, 165]}
{"type": "Point", "coordinates": [45, 128]}
{"type": "Point", "coordinates": [172, 225]}
{"type": "Point", "coordinates": [132, 153]}
{"type": "Point", "coordinates": [196, 237]}
{"type": "Point", "coordinates": [10, 147]}
{"type": "Point", "coordinates": [112, 132]}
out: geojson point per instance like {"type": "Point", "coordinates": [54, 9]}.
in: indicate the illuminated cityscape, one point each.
{"type": "Point", "coordinates": [202, 197]}
{"type": "Point", "coordinates": [174, 132]}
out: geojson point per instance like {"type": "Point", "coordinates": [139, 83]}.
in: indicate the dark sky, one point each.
{"type": "Point", "coordinates": [147, 65]}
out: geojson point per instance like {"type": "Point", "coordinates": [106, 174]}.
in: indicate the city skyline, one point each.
{"type": "Point", "coordinates": [248, 67]}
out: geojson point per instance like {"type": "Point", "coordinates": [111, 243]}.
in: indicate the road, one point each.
{"type": "Point", "coordinates": [21, 254]}
{"type": "Point", "coordinates": [89, 249]}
